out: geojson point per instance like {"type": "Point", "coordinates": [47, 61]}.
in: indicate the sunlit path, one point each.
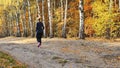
{"type": "Point", "coordinates": [74, 33]}
{"type": "Point", "coordinates": [62, 53]}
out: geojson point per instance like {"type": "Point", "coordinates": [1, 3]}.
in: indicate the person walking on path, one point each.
{"type": "Point", "coordinates": [39, 31]}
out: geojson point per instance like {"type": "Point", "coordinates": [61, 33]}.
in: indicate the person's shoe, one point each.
{"type": "Point", "coordinates": [39, 45]}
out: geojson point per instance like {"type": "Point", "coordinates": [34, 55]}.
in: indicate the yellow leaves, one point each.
{"type": "Point", "coordinates": [99, 7]}
{"type": "Point", "coordinates": [5, 3]}
{"type": "Point", "coordinates": [102, 16]}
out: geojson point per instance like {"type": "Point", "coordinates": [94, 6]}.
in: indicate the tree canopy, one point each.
{"type": "Point", "coordinates": [101, 17]}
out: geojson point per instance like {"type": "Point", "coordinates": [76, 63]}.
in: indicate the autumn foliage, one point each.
{"type": "Point", "coordinates": [102, 18]}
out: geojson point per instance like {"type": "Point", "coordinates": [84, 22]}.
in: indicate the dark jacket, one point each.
{"type": "Point", "coordinates": [39, 27]}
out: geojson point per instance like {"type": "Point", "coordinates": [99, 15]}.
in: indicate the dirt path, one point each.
{"type": "Point", "coordinates": [62, 53]}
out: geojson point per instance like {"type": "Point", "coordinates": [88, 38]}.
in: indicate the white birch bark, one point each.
{"type": "Point", "coordinates": [50, 19]}
{"type": "Point", "coordinates": [119, 4]}
{"type": "Point", "coordinates": [81, 26]}
{"type": "Point", "coordinates": [37, 2]}
{"type": "Point", "coordinates": [30, 19]}
{"type": "Point", "coordinates": [17, 20]}
{"type": "Point", "coordinates": [61, 1]}
{"type": "Point", "coordinates": [43, 18]}
{"type": "Point", "coordinates": [65, 21]}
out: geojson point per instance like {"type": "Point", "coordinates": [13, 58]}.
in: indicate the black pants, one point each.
{"type": "Point", "coordinates": [39, 36]}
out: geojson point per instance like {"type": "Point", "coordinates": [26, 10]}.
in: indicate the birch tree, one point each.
{"type": "Point", "coordinates": [10, 24]}
{"type": "Point", "coordinates": [24, 19]}
{"type": "Point", "coordinates": [18, 20]}
{"type": "Point", "coordinates": [4, 24]}
{"type": "Point", "coordinates": [115, 1]}
{"type": "Point", "coordinates": [61, 1]}
{"type": "Point", "coordinates": [43, 18]}
{"type": "Point", "coordinates": [81, 25]}
{"type": "Point", "coordinates": [65, 21]}
{"type": "Point", "coordinates": [50, 19]}
{"type": "Point", "coordinates": [30, 19]}
{"type": "Point", "coordinates": [37, 2]}
{"type": "Point", "coordinates": [119, 4]}
{"type": "Point", "coordinates": [110, 5]}
{"type": "Point", "coordinates": [108, 25]}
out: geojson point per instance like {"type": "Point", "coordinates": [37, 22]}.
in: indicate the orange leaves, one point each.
{"type": "Point", "coordinates": [89, 31]}
{"type": "Point", "coordinates": [87, 7]}
{"type": "Point", "coordinates": [88, 18]}
{"type": "Point", "coordinates": [87, 1]}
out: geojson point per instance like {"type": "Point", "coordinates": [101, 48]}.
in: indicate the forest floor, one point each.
{"type": "Point", "coordinates": [63, 53]}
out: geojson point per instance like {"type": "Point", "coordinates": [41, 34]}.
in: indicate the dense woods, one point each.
{"type": "Point", "coordinates": [61, 18]}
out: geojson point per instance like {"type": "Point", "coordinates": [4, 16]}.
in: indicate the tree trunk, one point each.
{"type": "Point", "coordinates": [107, 31]}
{"type": "Point", "coordinates": [17, 25]}
{"type": "Point", "coordinates": [110, 5]}
{"type": "Point", "coordinates": [43, 18]}
{"type": "Point", "coordinates": [65, 21]}
{"type": "Point", "coordinates": [30, 19]}
{"type": "Point", "coordinates": [81, 26]}
{"type": "Point", "coordinates": [50, 19]}
{"type": "Point", "coordinates": [115, 1]}
{"type": "Point", "coordinates": [10, 25]}
{"type": "Point", "coordinates": [24, 19]}
{"type": "Point", "coordinates": [61, 10]}
{"type": "Point", "coordinates": [61, 1]}
{"type": "Point", "coordinates": [5, 24]}
{"type": "Point", "coordinates": [119, 4]}
{"type": "Point", "coordinates": [12, 22]}
{"type": "Point", "coordinates": [38, 8]}
{"type": "Point", "coordinates": [5, 30]}
{"type": "Point", "coordinates": [54, 5]}
{"type": "Point", "coordinates": [18, 20]}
